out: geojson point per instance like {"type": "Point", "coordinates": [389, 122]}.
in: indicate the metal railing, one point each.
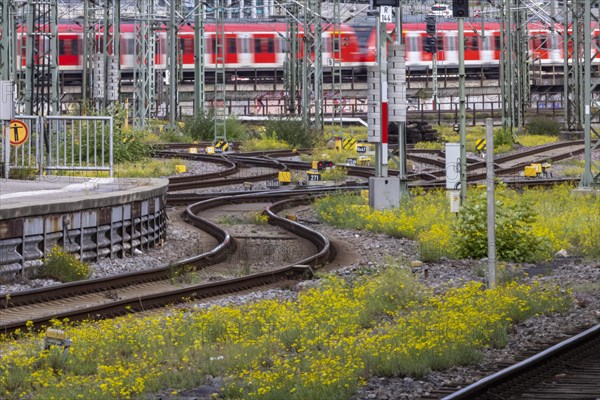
{"type": "Point", "coordinates": [62, 143]}
{"type": "Point", "coordinates": [78, 144]}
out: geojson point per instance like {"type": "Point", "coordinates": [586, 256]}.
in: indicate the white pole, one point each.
{"type": "Point", "coordinates": [491, 207]}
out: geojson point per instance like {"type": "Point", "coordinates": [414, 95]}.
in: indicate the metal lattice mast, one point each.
{"type": "Point", "coordinates": [199, 88]}
{"type": "Point", "coordinates": [291, 81]}
{"type": "Point", "coordinates": [336, 71]}
{"type": "Point", "coordinates": [89, 49]}
{"type": "Point", "coordinates": [312, 69]}
{"type": "Point", "coordinates": [8, 31]}
{"type": "Point", "coordinates": [143, 69]}
{"type": "Point", "coordinates": [591, 174]}
{"type": "Point", "coordinates": [112, 51]}
{"type": "Point", "coordinates": [522, 85]}
{"type": "Point", "coordinates": [573, 73]}
{"type": "Point", "coordinates": [173, 62]}
{"type": "Point", "coordinates": [505, 67]}
{"type": "Point", "coordinates": [219, 106]}
{"type": "Point", "coordinates": [41, 82]}
{"type": "Point", "coordinates": [514, 65]}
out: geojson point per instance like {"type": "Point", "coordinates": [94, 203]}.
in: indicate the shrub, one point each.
{"type": "Point", "coordinates": [503, 137]}
{"type": "Point", "coordinates": [542, 126]}
{"type": "Point", "coordinates": [129, 147]}
{"type": "Point", "coordinates": [291, 131]}
{"type": "Point", "coordinates": [62, 266]}
{"type": "Point", "coordinates": [515, 239]}
{"type": "Point", "coordinates": [336, 174]}
{"type": "Point", "coordinates": [202, 127]}
{"type": "Point", "coordinates": [263, 144]}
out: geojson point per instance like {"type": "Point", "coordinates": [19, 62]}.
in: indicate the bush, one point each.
{"type": "Point", "coordinates": [202, 127]}
{"type": "Point", "coordinates": [127, 146]}
{"type": "Point", "coordinates": [503, 138]}
{"type": "Point", "coordinates": [515, 239]}
{"type": "Point", "coordinates": [62, 266]}
{"type": "Point", "coordinates": [543, 126]}
{"type": "Point", "coordinates": [291, 131]}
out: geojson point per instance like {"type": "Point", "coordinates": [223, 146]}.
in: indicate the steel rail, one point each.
{"type": "Point", "coordinates": [481, 386]}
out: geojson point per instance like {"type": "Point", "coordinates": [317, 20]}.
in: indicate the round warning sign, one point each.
{"type": "Point", "coordinates": [18, 132]}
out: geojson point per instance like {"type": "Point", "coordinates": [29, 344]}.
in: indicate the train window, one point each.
{"type": "Point", "coordinates": [231, 46]}
{"type": "Point", "coordinates": [440, 43]}
{"type": "Point", "coordinates": [539, 42]}
{"type": "Point", "coordinates": [336, 43]}
{"type": "Point", "coordinates": [68, 47]}
{"type": "Point", "coordinates": [186, 45]}
{"type": "Point", "coordinates": [244, 45]}
{"type": "Point", "coordinates": [264, 45]}
{"type": "Point", "coordinates": [362, 34]}
{"type": "Point", "coordinates": [497, 44]}
{"type": "Point", "coordinates": [472, 43]}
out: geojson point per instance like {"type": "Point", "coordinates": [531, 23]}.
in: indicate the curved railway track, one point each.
{"type": "Point", "coordinates": [141, 291]}
{"type": "Point", "coordinates": [505, 165]}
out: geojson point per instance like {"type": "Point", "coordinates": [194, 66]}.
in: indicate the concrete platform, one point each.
{"type": "Point", "coordinates": [49, 194]}
{"type": "Point", "coordinates": [90, 217]}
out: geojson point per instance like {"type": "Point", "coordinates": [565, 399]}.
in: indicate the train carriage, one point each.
{"type": "Point", "coordinates": [259, 49]}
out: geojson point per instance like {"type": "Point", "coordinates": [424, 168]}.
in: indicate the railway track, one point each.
{"type": "Point", "coordinates": [141, 291]}
{"type": "Point", "coordinates": [567, 370]}
{"type": "Point", "coordinates": [507, 165]}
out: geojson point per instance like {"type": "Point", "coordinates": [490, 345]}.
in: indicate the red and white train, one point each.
{"type": "Point", "coordinates": [252, 47]}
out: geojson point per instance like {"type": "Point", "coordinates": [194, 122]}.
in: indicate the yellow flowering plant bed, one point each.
{"type": "Point", "coordinates": [322, 346]}
{"type": "Point", "coordinates": [557, 218]}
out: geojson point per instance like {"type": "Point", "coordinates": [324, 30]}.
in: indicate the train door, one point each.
{"type": "Point", "coordinates": [69, 54]}
{"type": "Point", "coordinates": [264, 48]}
{"type": "Point", "coordinates": [539, 46]}
{"type": "Point", "coordinates": [231, 54]}
{"type": "Point", "coordinates": [487, 48]}
{"type": "Point", "coordinates": [472, 48]}
{"type": "Point", "coordinates": [186, 50]}
{"type": "Point", "coordinates": [450, 48]}
{"type": "Point", "coordinates": [497, 46]}
{"type": "Point", "coordinates": [414, 48]}
{"type": "Point", "coordinates": [127, 51]}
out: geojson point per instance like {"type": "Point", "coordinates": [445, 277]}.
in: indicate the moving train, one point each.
{"type": "Point", "coordinates": [260, 48]}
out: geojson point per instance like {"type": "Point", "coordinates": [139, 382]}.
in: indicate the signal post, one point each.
{"type": "Point", "coordinates": [384, 192]}
{"type": "Point", "coordinates": [460, 10]}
